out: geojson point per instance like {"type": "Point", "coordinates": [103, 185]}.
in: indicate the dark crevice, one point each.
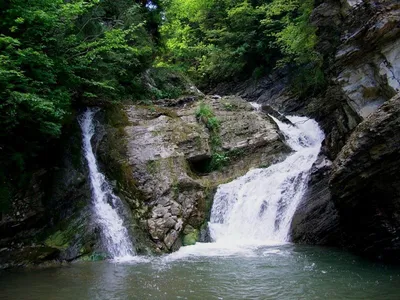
{"type": "Point", "coordinates": [200, 166]}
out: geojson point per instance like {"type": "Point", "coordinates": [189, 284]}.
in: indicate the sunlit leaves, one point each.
{"type": "Point", "coordinates": [217, 40]}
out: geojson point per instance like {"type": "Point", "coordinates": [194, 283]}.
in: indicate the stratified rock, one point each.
{"type": "Point", "coordinates": [167, 150]}
{"type": "Point", "coordinates": [50, 219]}
{"type": "Point", "coordinates": [316, 221]}
{"type": "Point", "coordinates": [365, 184]}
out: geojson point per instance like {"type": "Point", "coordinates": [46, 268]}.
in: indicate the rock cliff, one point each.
{"type": "Point", "coordinates": [169, 155]}
{"type": "Point", "coordinates": [359, 42]}
{"type": "Point", "coordinates": [364, 73]}
{"type": "Point", "coordinates": [365, 184]}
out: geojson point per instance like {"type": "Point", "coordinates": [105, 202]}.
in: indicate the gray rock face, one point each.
{"type": "Point", "coordinates": [317, 220]}
{"type": "Point", "coordinates": [168, 148]}
{"type": "Point", "coordinates": [50, 219]}
{"type": "Point", "coordinates": [359, 41]}
{"type": "Point", "coordinates": [368, 58]}
{"type": "Point", "coordinates": [364, 75]}
{"type": "Point", "coordinates": [365, 184]}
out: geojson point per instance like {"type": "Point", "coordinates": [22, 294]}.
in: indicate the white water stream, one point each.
{"type": "Point", "coordinates": [105, 204]}
{"type": "Point", "coordinates": [257, 208]}
{"type": "Point", "coordinates": [253, 210]}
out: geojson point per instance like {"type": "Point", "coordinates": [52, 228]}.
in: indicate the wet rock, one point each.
{"type": "Point", "coordinates": [26, 256]}
{"type": "Point", "coordinates": [267, 109]}
{"type": "Point", "coordinates": [365, 184]}
{"type": "Point", "coordinates": [316, 221]}
{"type": "Point", "coordinates": [50, 219]}
{"type": "Point", "coordinates": [165, 148]}
{"type": "Point", "coordinates": [171, 238]}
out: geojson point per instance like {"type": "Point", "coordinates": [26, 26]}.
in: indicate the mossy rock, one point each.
{"type": "Point", "coordinates": [95, 256]}
{"type": "Point", "coordinates": [191, 238]}
{"type": "Point", "coordinates": [59, 240]}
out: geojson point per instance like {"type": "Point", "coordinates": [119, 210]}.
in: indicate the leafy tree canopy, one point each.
{"type": "Point", "coordinates": [55, 54]}
{"type": "Point", "coordinates": [218, 40]}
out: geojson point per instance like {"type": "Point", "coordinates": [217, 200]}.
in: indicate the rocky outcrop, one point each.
{"type": "Point", "coordinates": [359, 43]}
{"type": "Point", "coordinates": [169, 154]}
{"type": "Point", "coordinates": [364, 74]}
{"type": "Point", "coordinates": [316, 220]}
{"type": "Point", "coordinates": [365, 184]}
{"type": "Point", "coordinates": [50, 218]}
{"type": "Point", "coordinates": [368, 59]}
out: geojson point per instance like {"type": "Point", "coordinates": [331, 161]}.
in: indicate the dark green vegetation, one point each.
{"type": "Point", "coordinates": [206, 115]}
{"type": "Point", "coordinates": [57, 56]}
{"type": "Point", "coordinates": [219, 40]}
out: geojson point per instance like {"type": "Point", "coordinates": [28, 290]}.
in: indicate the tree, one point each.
{"type": "Point", "coordinates": [55, 54]}
{"type": "Point", "coordinates": [220, 40]}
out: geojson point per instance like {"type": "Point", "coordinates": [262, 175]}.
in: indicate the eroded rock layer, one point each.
{"type": "Point", "coordinates": [169, 154]}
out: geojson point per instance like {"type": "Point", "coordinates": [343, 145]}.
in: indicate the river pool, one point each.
{"type": "Point", "coordinates": [205, 272]}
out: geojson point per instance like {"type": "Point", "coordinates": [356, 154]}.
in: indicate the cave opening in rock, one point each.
{"type": "Point", "coordinates": [200, 165]}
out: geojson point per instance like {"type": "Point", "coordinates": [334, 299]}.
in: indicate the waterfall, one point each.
{"type": "Point", "coordinates": [258, 207]}
{"type": "Point", "coordinates": [115, 236]}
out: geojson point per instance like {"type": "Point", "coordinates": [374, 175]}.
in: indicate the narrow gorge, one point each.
{"type": "Point", "coordinates": [277, 178]}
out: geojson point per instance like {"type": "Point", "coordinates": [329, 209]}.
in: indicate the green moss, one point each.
{"type": "Point", "coordinates": [59, 240]}
{"type": "Point", "coordinates": [230, 106]}
{"type": "Point", "coordinates": [95, 256]}
{"type": "Point", "coordinates": [116, 117]}
{"type": "Point", "coordinates": [152, 166]}
{"type": "Point", "coordinates": [191, 238]}
{"type": "Point", "coordinates": [64, 232]}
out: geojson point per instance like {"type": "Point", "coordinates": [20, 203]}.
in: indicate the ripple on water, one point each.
{"type": "Point", "coordinates": [275, 272]}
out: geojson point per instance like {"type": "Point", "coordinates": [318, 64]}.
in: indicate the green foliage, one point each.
{"type": "Point", "coordinates": [218, 161]}
{"type": "Point", "coordinates": [204, 112]}
{"type": "Point", "coordinates": [167, 83]}
{"type": "Point", "coordinates": [213, 123]}
{"type": "Point", "coordinates": [218, 40]}
{"type": "Point", "coordinates": [296, 39]}
{"type": "Point", "coordinates": [206, 115]}
{"type": "Point", "coordinates": [56, 54]}
{"type": "Point", "coordinates": [191, 238]}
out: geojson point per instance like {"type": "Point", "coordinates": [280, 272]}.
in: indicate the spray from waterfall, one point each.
{"type": "Point", "coordinates": [105, 203]}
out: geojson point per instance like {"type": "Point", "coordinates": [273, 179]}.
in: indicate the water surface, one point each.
{"type": "Point", "coordinates": [268, 272]}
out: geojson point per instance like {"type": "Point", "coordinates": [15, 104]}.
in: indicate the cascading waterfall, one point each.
{"type": "Point", "coordinates": [105, 204]}
{"type": "Point", "coordinates": [258, 207]}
